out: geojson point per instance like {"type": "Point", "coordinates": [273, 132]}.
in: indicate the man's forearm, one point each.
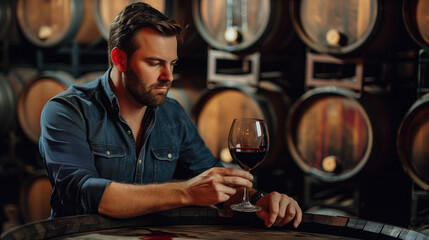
{"type": "Point", "coordinates": [210, 187]}
{"type": "Point", "coordinates": [127, 200]}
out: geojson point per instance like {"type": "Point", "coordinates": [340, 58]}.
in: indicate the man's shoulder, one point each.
{"type": "Point", "coordinates": [82, 97]}
{"type": "Point", "coordinates": [78, 92]}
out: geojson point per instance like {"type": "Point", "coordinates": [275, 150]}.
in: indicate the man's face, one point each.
{"type": "Point", "coordinates": [149, 73]}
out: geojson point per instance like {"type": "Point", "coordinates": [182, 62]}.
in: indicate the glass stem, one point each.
{"type": "Point", "coordinates": [246, 196]}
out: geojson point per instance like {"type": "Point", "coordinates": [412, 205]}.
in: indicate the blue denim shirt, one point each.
{"type": "Point", "coordinates": [85, 144]}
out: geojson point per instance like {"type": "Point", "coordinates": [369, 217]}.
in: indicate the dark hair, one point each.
{"type": "Point", "coordinates": [131, 19]}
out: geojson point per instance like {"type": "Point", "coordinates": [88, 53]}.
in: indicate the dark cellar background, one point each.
{"type": "Point", "coordinates": [388, 185]}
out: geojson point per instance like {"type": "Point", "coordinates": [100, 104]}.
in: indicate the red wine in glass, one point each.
{"type": "Point", "coordinates": [248, 157]}
{"type": "Point", "coordinates": [248, 143]}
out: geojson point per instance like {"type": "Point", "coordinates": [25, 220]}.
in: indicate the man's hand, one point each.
{"type": "Point", "coordinates": [278, 210]}
{"type": "Point", "coordinates": [216, 185]}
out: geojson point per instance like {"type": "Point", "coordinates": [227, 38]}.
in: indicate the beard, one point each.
{"type": "Point", "coordinates": [142, 93]}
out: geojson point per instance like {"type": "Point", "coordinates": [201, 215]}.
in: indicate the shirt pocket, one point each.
{"type": "Point", "coordinates": [109, 160]}
{"type": "Point", "coordinates": [165, 161]}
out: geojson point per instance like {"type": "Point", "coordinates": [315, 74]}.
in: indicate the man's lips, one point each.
{"type": "Point", "coordinates": [162, 88]}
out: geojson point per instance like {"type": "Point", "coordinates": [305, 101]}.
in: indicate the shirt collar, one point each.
{"type": "Point", "coordinates": [105, 82]}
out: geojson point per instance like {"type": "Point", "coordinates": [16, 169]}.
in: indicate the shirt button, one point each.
{"type": "Point", "coordinates": [108, 152]}
{"type": "Point", "coordinates": [170, 155]}
{"type": "Point", "coordinates": [129, 132]}
{"type": "Point", "coordinates": [140, 161]}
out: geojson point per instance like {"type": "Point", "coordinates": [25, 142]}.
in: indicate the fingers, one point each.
{"type": "Point", "coordinates": [236, 182]}
{"type": "Point", "coordinates": [231, 177]}
{"type": "Point", "coordinates": [298, 218]}
{"type": "Point", "coordinates": [289, 214]}
{"type": "Point", "coordinates": [225, 190]}
{"type": "Point", "coordinates": [231, 172]}
{"type": "Point", "coordinates": [281, 210]}
{"type": "Point", "coordinates": [216, 185]}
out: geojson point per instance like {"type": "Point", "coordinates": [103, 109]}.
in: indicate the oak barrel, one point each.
{"type": "Point", "coordinates": [244, 26]}
{"type": "Point", "coordinates": [11, 85]}
{"type": "Point", "coordinates": [334, 135]}
{"type": "Point", "coordinates": [53, 23]}
{"type": "Point", "coordinates": [412, 142]}
{"type": "Point", "coordinates": [415, 14]}
{"type": "Point", "coordinates": [36, 93]}
{"type": "Point", "coordinates": [206, 223]}
{"type": "Point", "coordinates": [217, 108]}
{"type": "Point", "coordinates": [34, 197]}
{"type": "Point", "coordinates": [344, 27]}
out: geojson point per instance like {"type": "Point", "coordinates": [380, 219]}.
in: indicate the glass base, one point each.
{"type": "Point", "coordinates": [245, 207]}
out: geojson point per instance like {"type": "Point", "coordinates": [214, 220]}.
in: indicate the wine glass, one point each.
{"type": "Point", "coordinates": [248, 143]}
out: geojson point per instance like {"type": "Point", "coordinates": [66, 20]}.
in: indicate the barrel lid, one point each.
{"type": "Point", "coordinates": [335, 27]}
{"type": "Point", "coordinates": [411, 145]}
{"type": "Point", "coordinates": [232, 25]}
{"type": "Point", "coordinates": [329, 133]}
{"type": "Point", "coordinates": [416, 21]}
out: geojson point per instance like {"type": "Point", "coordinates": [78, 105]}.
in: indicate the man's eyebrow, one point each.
{"type": "Point", "coordinates": [160, 59]}
{"type": "Point", "coordinates": [155, 59]}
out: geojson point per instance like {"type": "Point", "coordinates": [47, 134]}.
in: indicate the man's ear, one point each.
{"type": "Point", "coordinates": [119, 59]}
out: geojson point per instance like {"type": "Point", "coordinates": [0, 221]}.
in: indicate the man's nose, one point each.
{"type": "Point", "coordinates": [167, 73]}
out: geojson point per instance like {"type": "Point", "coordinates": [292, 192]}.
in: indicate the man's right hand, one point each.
{"type": "Point", "coordinates": [216, 185]}
{"type": "Point", "coordinates": [210, 187]}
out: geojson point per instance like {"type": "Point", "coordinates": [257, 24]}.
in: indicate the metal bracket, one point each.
{"type": "Point", "coordinates": [354, 82]}
{"type": "Point", "coordinates": [228, 68]}
{"type": "Point", "coordinates": [423, 73]}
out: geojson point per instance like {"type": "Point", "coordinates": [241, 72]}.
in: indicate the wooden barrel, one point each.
{"type": "Point", "coordinates": [415, 14]}
{"type": "Point", "coordinates": [334, 135]}
{"type": "Point", "coordinates": [10, 88]}
{"type": "Point", "coordinates": [53, 23]}
{"type": "Point", "coordinates": [219, 106]}
{"type": "Point", "coordinates": [244, 26]}
{"type": "Point", "coordinates": [207, 223]}
{"type": "Point", "coordinates": [412, 142]}
{"type": "Point", "coordinates": [34, 197]}
{"type": "Point", "coordinates": [37, 91]}
{"type": "Point", "coordinates": [344, 27]}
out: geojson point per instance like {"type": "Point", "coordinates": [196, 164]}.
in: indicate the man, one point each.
{"type": "Point", "coordinates": [115, 145]}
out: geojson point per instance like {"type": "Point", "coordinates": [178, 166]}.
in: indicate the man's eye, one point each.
{"type": "Point", "coordinates": [153, 64]}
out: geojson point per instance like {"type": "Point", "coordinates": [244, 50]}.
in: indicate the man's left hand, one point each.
{"type": "Point", "coordinates": [278, 210]}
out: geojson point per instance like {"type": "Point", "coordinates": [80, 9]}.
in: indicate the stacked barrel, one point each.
{"type": "Point", "coordinates": [342, 84]}
{"type": "Point", "coordinates": [414, 128]}
{"type": "Point", "coordinates": [239, 35]}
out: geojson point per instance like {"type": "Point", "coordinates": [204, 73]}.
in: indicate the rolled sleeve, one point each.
{"type": "Point", "coordinates": [92, 192]}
